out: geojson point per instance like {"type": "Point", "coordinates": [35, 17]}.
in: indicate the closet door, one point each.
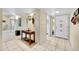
{"type": "Point", "coordinates": [62, 26]}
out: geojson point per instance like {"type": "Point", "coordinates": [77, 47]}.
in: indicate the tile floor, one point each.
{"type": "Point", "coordinates": [51, 44]}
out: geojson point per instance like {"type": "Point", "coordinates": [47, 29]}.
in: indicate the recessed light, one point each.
{"type": "Point", "coordinates": [57, 11]}
{"type": "Point", "coordinates": [17, 17]}
{"type": "Point", "coordinates": [31, 14]}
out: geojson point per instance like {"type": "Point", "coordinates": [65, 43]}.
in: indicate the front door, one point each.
{"type": "Point", "coordinates": [62, 26]}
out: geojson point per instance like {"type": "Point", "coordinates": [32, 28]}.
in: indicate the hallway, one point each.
{"type": "Point", "coordinates": [43, 29]}
{"type": "Point", "coordinates": [39, 29]}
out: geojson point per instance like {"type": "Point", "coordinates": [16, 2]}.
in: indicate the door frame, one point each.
{"type": "Point", "coordinates": [49, 34]}
{"type": "Point", "coordinates": [68, 26]}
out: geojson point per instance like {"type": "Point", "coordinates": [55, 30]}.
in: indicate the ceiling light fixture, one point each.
{"type": "Point", "coordinates": [57, 12]}
{"type": "Point", "coordinates": [17, 17]}
{"type": "Point", "coordinates": [31, 14]}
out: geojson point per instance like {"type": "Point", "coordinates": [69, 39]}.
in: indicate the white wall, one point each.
{"type": "Point", "coordinates": [42, 27]}
{"type": "Point", "coordinates": [24, 22]}
{"type": "Point", "coordinates": [37, 26]}
{"type": "Point", "coordinates": [0, 27]}
{"type": "Point", "coordinates": [74, 35]}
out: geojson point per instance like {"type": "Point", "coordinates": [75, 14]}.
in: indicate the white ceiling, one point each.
{"type": "Point", "coordinates": [52, 11]}
{"type": "Point", "coordinates": [23, 11]}
{"type": "Point", "coordinates": [17, 11]}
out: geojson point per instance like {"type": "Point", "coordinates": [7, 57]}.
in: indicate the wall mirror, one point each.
{"type": "Point", "coordinates": [30, 23]}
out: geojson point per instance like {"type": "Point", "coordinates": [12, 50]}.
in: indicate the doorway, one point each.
{"type": "Point", "coordinates": [58, 26]}
{"type": "Point", "coordinates": [62, 26]}
{"type": "Point", "coordinates": [50, 26]}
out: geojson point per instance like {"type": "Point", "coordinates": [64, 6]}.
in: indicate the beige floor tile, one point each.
{"type": "Point", "coordinates": [60, 49]}
{"type": "Point", "coordinates": [3, 48]}
{"type": "Point", "coordinates": [68, 45]}
{"type": "Point", "coordinates": [15, 49]}
{"type": "Point", "coordinates": [51, 44]}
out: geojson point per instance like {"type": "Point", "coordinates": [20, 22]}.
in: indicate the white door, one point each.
{"type": "Point", "coordinates": [62, 26]}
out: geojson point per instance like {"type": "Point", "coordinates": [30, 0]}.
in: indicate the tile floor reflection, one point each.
{"type": "Point", "coordinates": [51, 44]}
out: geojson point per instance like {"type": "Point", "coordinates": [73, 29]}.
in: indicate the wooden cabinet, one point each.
{"type": "Point", "coordinates": [30, 40]}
